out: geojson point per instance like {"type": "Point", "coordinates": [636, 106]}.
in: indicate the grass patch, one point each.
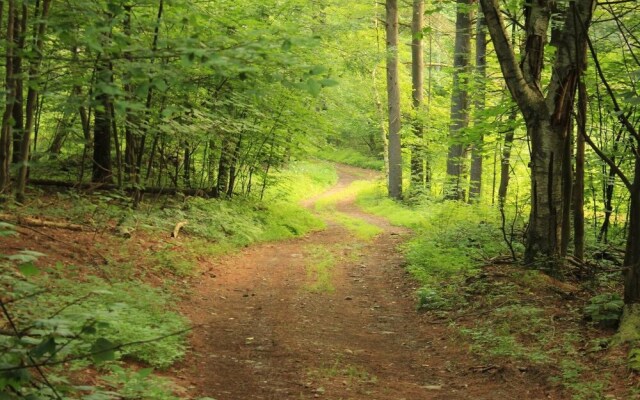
{"type": "Point", "coordinates": [339, 369]}
{"type": "Point", "coordinates": [327, 204]}
{"type": "Point", "coordinates": [360, 228]}
{"type": "Point", "coordinates": [351, 157]}
{"type": "Point", "coordinates": [320, 265]}
{"type": "Point", "coordinates": [505, 314]}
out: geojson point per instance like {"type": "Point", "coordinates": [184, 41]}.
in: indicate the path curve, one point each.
{"type": "Point", "coordinates": [269, 333]}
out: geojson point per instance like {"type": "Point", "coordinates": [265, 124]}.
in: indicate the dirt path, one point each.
{"type": "Point", "coordinates": [327, 316]}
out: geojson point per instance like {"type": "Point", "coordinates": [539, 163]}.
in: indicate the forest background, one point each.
{"type": "Point", "coordinates": [510, 129]}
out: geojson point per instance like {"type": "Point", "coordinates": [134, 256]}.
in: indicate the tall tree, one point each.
{"type": "Point", "coordinates": [417, 78]}
{"type": "Point", "coordinates": [479, 103]}
{"type": "Point", "coordinates": [41, 14]}
{"type": "Point", "coordinates": [548, 118]}
{"type": "Point", "coordinates": [459, 102]}
{"type": "Point", "coordinates": [9, 87]}
{"type": "Point", "coordinates": [393, 93]}
{"type": "Point", "coordinates": [102, 129]}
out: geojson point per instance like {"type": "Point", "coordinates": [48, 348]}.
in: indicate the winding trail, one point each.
{"type": "Point", "coordinates": [326, 316]}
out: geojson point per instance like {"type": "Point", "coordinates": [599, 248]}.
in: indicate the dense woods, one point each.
{"type": "Point", "coordinates": [527, 108]}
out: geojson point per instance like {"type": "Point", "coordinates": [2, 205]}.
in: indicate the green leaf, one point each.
{"type": "Point", "coordinates": [328, 82]}
{"type": "Point", "coordinates": [103, 350]}
{"type": "Point", "coordinates": [48, 345]}
{"type": "Point", "coordinates": [317, 70]}
{"type": "Point", "coordinates": [28, 269]}
{"type": "Point", "coordinates": [25, 256]}
{"type": "Point", "coordinates": [314, 87]}
{"type": "Point", "coordinates": [143, 373]}
{"type": "Point", "coordinates": [160, 84]}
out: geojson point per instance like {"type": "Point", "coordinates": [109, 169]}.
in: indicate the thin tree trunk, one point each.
{"type": "Point", "coordinates": [383, 127]}
{"type": "Point", "coordinates": [10, 85]}
{"type": "Point", "coordinates": [32, 97]}
{"type": "Point", "coordinates": [224, 166]}
{"type": "Point", "coordinates": [455, 187]}
{"type": "Point", "coordinates": [475, 188]}
{"type": "Point", "coordinates": [186, 172]}
{"type": "Point", "coordinates": [578, 189]}
{"type": "Point", "coordinates": [505, 164]}
{"type": "Point", "coordinates": [20, 30]}
{"type": "Point", "coordinates": [233, 170]}
{"type": "Point", "coordinates": [102, 170]}
{"type": "Point", "coordinates": [417, 78]}
{"type": "Point", "coordinates": [393, 93]}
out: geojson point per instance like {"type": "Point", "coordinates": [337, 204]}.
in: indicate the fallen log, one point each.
{"type": "Point", "coordinates": [39, 222]}
{"type": "Point", "coordinates": [108, 186]}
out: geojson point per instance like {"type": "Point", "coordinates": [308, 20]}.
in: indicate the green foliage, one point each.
{"type": "Point", "coordinates": [127, 311]}
{"type": "Point", "coordinates": [140, 384]}
{"type": "Point", "coordinates": [516, 331]}
{"type": "Point", "coordinates": [319, 264]}
{"type": "Point", "coordinates": [362, 229]}
{"type": "Point", "coordinates": [351, 157]}
{"type": "Point", "coordinates": [79, 321]}
{"type": "Point", "coordinates": [605, 309]}
{"type": "Point", "coordinates": [571, 377]}
{"type": "Point", "coordinates": [301, 180]}
{"type": "Point", "coordinates": [451, 236]}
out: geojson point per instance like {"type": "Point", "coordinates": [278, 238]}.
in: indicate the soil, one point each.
{"type": "Point", "coordinates": [267, 332]}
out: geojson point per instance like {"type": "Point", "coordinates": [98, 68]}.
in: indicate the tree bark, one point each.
{"type": "Point", "coordinates": [417, 78]}
{"type": "Point", "coordinates": [102, 170]}
{"type": "Point", "coordinates": [393, 93]}
{"type": "Point", "coordinates": [32, 97]}
{"type": "Point", "coordinates": [632, 251]}
{"type": "Point", "coordinates": [5, 132]}
{"type": "Point", "coordinates": [505, 162]}
{"type": "Point", "coordinates": [547, 118]}
{"type": "Point", "coordinates": [475, 187]}
{"type": "Point", "coordinates": [20, 29]}
{"type": "Point", "coordinates": [455, 188]}
{"type": "Point", "coordinates": [578, 187]}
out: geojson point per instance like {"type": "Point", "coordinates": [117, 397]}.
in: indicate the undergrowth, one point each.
{"type": "Point", "coordinates": [350, 157]}
{"type": "Point", "coordinates": [101, 321]}
{"type": "Point", "coordinates": [513, 319]}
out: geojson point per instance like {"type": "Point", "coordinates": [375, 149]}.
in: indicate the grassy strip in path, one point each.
{"type": "Point", "coordinates": [320, 265]}
{"type": "Point", "coordinates": [360, 228]}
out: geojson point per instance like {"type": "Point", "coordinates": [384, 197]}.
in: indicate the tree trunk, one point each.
{"type": "Point", "coordinates": [5, 132]}
{"type": "Point", "coordinates": [224, 167]}
{"type": "Point", "coordinates": [186, 172]}
{"type": "Point", "coordinates": [548, 119]}
{"type": "Point", "coordinates": [455, 188]}
{"type": "Point", "coordinates": [475, 187]}
{"type": "Point", "coordinates": [417, 78]}
{"type": "Point", "coordinates": [20, 29]}
{"type": "Point", "coordinates": [32, 97]}
{"type": "Point", "coordinates": [233, 170]}
{"type": "Point", "coordinates": [632, 251]}
{"type": "Point", "coordinates": [505, 163]}
{"type": "Point", "coordinates": [393, 92]}
{"type": "Point", "coordinates": [578, 187]}
{"type": "Point", "coordinates": [131, 125]}
{"type": "Point", "coordinates": [102, 170]}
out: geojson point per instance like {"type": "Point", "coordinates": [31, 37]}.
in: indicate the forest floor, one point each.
{"type": "Point", "coordinates": [332, 316]}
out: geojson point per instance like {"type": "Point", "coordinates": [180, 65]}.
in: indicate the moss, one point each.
{"type": "Point", "coordinates": [629, 331]}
